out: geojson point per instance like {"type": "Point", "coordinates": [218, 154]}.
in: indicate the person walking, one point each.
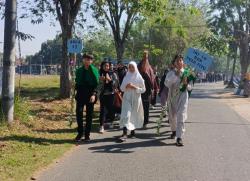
{"type": "Point", "coordinates": [110, 83]}
{"type": "Point", "coordinates": [132, 109]}
{"type": "Point", "coordinates": [147, 74]}
{"type": "Point", "coordinates": [121, 71]}
{"type": "Point", "coordinates": [177, 99]}
{"type": "Point", "coordinates": [156, 90]}
{"type": "Point", "coordinates": [87, 78]}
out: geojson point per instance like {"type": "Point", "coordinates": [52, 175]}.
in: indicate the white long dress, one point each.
{"type": "Point", "coordinates": [177, 103]}
{"type": "Point", "coordinates": [132, 115]}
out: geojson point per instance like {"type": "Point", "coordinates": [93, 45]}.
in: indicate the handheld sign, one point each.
{"type": "Point", "coordinates": [75, 46]}
{"type": "Point", "coordinates": [197, 59]}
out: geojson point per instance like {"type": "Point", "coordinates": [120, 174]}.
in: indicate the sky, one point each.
{"type": "Point", "coordinates": [42, 32]}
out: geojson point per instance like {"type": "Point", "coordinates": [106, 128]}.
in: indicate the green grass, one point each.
{"type": "Point", "coordinates": [41, 132]}
{"type": "Point", "coordinates": [39, 87]}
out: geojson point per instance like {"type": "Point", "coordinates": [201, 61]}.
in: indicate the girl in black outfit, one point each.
{"type": "Point", "coordinates": [109, 82]}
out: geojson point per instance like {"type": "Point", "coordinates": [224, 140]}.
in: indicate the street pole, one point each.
{"type": "Point", "coordinates": [9, 60]}
{"type": "Point", "coordinates": [1, 60]}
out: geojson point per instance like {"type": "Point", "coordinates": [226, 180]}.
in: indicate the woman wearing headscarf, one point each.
{"type": "Point", "coordinates": [132, 109]}
{"type": "Point", "coordinates": [147, 74]}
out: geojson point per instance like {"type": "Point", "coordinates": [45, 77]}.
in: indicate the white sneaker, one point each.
{"type": "Point", "coordinates": [101, 130]}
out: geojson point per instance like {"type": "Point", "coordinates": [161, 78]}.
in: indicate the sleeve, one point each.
{"type": "Point", "coordinates": [170, 79]}
{"type": "Point", "coordinates": [141, 89]}
{"type": "Point", "coordinates": [123, 86]}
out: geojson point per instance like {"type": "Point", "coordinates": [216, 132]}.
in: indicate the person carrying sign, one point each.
{"type": "Point", "coordinates": [177, 82]}
{"type": "Point", "coordinates": [87, 79]}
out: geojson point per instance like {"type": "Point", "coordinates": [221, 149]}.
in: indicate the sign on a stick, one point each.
{"type": "Point", "coordinates": [75, 46]}
{"type": "Point", "coordinates": [197, 59]}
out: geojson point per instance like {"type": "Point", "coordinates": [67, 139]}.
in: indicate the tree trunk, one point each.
{"type": "Point", "coordinates": [119, 51]}
{"type": "Point", "coordinates": [8, 84]}
{"type": "Point", "coordinates": [231, 84]}
{"type": "Point", "coordinates": [244, 59]}
{"type": "Point", "coordinates": [227, 70]}
{"type": "Point", "coordinates": [65, 77]}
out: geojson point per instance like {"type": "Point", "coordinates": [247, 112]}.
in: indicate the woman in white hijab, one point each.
{"type": "Point", "coordinates": [132, 114]}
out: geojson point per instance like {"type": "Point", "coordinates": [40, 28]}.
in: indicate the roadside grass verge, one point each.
{"type": "Point", "coordinates": [41, 131]}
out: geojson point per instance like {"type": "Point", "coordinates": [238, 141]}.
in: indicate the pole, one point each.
{"type": "Point", "coordinates": [9, 60]}
{"type": "Point", "coordinates": [1, 58]}
{"type": "Point", "coordinates": [20, 64]}
{"type": "Point", "coordinates": [72, 93]}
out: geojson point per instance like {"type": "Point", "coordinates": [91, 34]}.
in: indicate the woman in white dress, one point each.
{"type": "Point", "coordinates": [177, 100]}
{"type": "Point", "coordinates": [132, 115]}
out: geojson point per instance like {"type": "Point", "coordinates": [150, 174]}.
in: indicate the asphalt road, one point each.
{"type": "Point", "coordinates": [217, 148]}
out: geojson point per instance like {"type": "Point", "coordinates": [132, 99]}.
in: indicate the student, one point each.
{"type": "Point", "coordinates": [147, 74]}
{"type": "Point", "coordinates": [109, 83]}
{"type": "Point", "coordinates": [132, 109]}
{"type": "Point", "coordinates": [87, 78]}
{"type": "Point", "coordinates": [177, 100]}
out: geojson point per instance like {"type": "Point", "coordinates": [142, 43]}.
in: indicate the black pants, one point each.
{"type": "Point", "coordinates": [146, 103]}
{"type": "Point", "coordinates": [107, 110]}
{"type": "Point", "coordinates": [79, 116]}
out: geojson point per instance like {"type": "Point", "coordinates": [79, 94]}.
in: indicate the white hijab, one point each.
{"type": "Point", "coordinates": [134, 78]}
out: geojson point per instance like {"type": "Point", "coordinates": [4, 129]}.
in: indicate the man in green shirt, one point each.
{"type": "Point", "coordinates": [87, 79]}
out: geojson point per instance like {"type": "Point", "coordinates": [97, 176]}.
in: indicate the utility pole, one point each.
{"type": "Point", "coordinates": [1, 58]}
{"type": "Point", "coordinates": [8, 85]}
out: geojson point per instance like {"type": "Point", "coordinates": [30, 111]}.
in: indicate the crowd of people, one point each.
{"type": "Point", "coordinates": [128, 91]}
{"type": "Point", "coordinates": [210, 77]}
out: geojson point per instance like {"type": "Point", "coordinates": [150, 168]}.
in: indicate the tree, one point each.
{"type": "Point", "coordinates": [8, 84]}
{"type": "Point", "coordinates": [232, 19]}
{"type": "Point", "coordinates": [101, 44]}
{"type": "Point", "coordinates": [114, 12]}
{"type": "Point", "coordinates": [178, 27]}
{"type": "Point", "coordinates": [66, 13]}
{"type": "Point", "coordinates": [50, 53]}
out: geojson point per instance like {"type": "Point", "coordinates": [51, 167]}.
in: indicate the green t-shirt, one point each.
{"type": "Point", "coordinates": [87, 77]}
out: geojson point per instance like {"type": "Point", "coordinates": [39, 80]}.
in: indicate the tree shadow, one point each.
{"type": "Point", "coordinates": [146, 136]}
{"type": "Point", "coordinates": [128, 147]}
{"type": "Point", "coordinates": [57, 131]}
{"type": "Point", "coordinates": [38, 141]}
{"type": "Point", "coordinates": [47, 93]}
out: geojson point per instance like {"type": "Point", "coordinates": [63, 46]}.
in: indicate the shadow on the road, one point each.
{"type": "Point", "coordinates": [213, 94]}
{"type": "Point", "coordinates": [196, 122]}
{"type": "Point", "coordinates": [128, 147]}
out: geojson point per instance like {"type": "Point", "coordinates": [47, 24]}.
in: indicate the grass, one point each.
{"type": "Point", "coordinates": [41, 131]}
{"type": "Point", "coordinates": [39, 87]}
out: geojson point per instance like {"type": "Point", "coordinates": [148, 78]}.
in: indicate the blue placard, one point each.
{"type": "Point", "coordinates": [75, 46]}
{"type": "Point", "coordinates": [197, 59]}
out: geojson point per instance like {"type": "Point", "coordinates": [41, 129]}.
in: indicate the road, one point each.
{"type": "Point", "coordinates": [217, 148]}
